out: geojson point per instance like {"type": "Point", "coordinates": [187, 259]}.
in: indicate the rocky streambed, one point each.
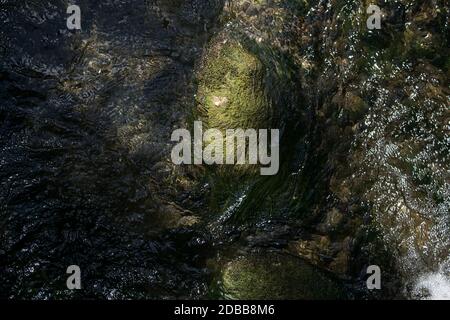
{"type": "Point", "coordinates": [86, 177]}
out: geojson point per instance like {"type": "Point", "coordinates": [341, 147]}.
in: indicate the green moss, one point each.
{"type": "Point", "coordinates": [277, 276]}
{"type": "Point", "coordinates": [231, 92]}
{"type": "Point", "coordinates": [247, 81]}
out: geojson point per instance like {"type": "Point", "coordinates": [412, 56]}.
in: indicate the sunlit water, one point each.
{"type": "Point", "coordinates": [86, 119]}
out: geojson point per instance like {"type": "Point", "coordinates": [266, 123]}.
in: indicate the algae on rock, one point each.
{"type": "Point", "coordinates": [231, 90]}
{"type": "Point", "coordinates": [277, 276]}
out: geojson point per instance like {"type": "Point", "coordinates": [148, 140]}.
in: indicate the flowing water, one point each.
{"type": "Point", "coordinates": [86, 118]}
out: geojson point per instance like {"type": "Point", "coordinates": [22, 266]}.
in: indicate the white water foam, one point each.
{"type": "Point", "coordinates": [436, 286]}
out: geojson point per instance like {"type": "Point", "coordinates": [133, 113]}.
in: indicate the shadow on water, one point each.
{"type": "Point", "coordinates": [85, 117]}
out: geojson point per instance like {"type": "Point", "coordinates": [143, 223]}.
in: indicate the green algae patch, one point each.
{"type": "Point", "coordinates": [231, 91]}
{"type": "Point", "coordinates": [277, 276]}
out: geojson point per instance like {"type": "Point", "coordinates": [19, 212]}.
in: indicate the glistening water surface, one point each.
{"type": "Point", "coordinates": [86, 178]}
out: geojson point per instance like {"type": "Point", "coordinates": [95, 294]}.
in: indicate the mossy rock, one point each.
{"type": "Point", "coordinates": [232, 94]}
{"type": "Point", "coordinates": [277, 276]}
{"type": "Point", "coordinates": [231, 90]}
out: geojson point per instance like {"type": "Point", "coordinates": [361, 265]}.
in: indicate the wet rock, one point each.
{"type": "Point", "coordinates": [171, 216]}
{"type": "Point", "coordinates": [316, 250]}
{"type": "Point", "coordinates": [188, 221]}
{"type": "Point", "coordinates": [252, 10]}
{"type": "Point", "coordinates": [332, 221]}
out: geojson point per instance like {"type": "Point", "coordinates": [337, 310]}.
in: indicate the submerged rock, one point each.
{"type": "Point", "coordinates": [277, 276]}
{"type": "Point", "coordinates": [171, 216]}
{"type": "Point", "coordinates": [231, 92]}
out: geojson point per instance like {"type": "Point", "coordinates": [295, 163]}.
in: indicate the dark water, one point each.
{"type": "Point", "coordinates": [86, 118]}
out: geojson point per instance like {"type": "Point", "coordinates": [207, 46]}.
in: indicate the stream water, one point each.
{"type": "Point", "coordinates": [86, 118]}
